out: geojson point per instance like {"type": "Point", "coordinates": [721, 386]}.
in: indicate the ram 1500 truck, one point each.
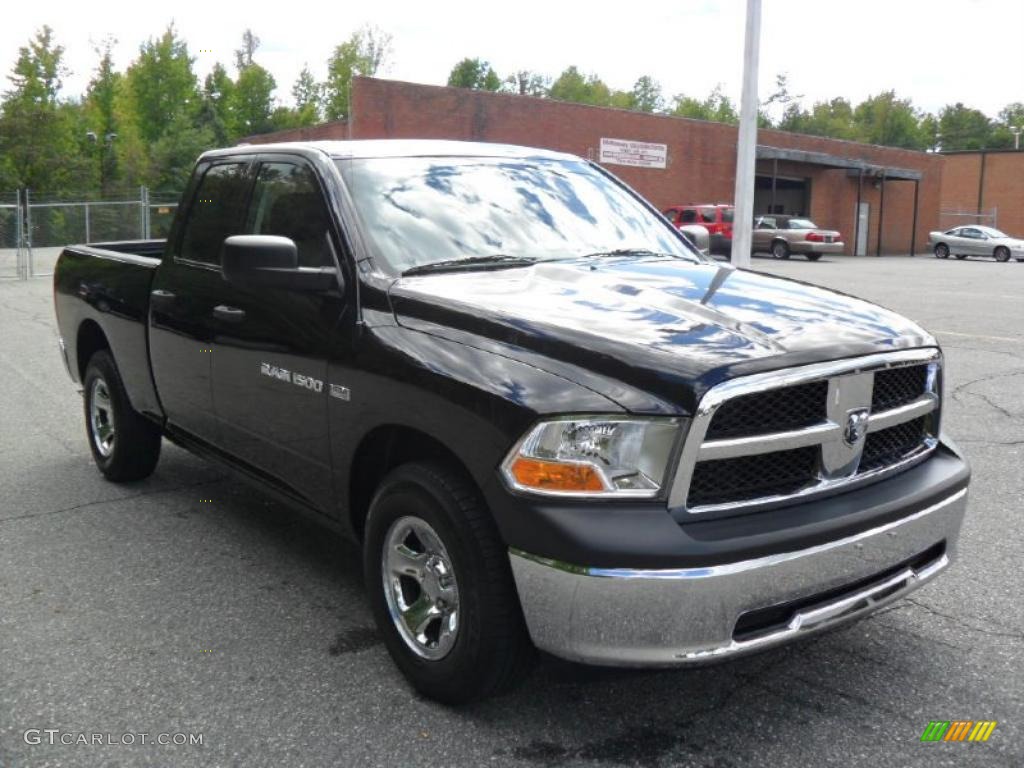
{"type": "Point", "coordinates": [550, 422]}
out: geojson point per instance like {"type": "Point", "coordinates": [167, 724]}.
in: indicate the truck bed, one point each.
{"type": "Point", "coordinates": [108, 284]}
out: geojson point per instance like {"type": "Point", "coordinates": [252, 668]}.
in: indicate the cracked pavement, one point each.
{"type": "Point", "coordinates": [139, 608]}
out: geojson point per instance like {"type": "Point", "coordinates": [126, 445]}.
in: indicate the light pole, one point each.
{"type": "Point", "coordinates": [746, 145]}
{"type": "Point", "coordinates": [1016, 131]}
{"type": "Point", "coordinates": [108, 144]}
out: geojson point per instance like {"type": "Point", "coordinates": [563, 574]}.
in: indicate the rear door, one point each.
{"type": "Point", "coordinates": [764, 228]}
{"type": "Point", "coordinates": [186, 288]}
{"type": "Point", "coordinates": [271, 345]}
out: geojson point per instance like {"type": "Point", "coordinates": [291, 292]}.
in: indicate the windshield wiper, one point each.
{"type": "Point", "coordinates": [637, 252]}
{"type": "Point", "coordinates": [494, 261]}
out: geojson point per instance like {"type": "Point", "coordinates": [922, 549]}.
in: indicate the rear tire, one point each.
{"type": "Point", "coordinates": [961, 256]}
{"type": "Point", "coordinates": [431, 542]}
{"type": "Point", "coordinates": [1002, 254]}
{"type": "Point", "coordinates": [124, 444]}
{"type": "Point", "coordinates": [780, 249]}
{"type": "Point", "coordinates": [941, 251]}
{"type": "Point", "coordinates": [813, 256]}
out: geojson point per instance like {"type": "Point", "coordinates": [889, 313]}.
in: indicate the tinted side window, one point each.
{"type": "Point", "coordinates": [287, 202]}
{"type": "Point", "coordinates": [708, 215]}
{"type": "Point", "coordinates": [215, 213]}
{"type": "Point", "coordinates": [689, 216]}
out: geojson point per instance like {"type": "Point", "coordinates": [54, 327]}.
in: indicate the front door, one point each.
{"type": "Point", "coordinates": [972, 241]}
{"type": "Point", "coordinates": [186, 288]}
{"type": "Point", "coordinates": [271, 345]}
{"type": "Point", "coordinates": [863, 217]}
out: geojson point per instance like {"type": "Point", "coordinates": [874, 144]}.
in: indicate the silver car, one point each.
{"type": "Point", "coordinates": [698, 237]}
{"type": "Point", "coordinates": [976, 240]}
{"type": "Point", "coordinates": [781, 235]}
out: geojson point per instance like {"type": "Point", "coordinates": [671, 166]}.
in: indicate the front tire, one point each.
{"type": "Point", "coordinates": [124, 444]}
{"type": "Point", "coordinates": [942, 251]}
{"type": "Point", "coordinates": [780, 249]}
{"type": "Point", "coordinates": [1002, 254]}
{"type": "Point", "coordinates": [441, 588]}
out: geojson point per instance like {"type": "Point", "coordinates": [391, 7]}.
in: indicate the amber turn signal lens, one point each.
{"type": "Point", "coordinates": [553, 476]}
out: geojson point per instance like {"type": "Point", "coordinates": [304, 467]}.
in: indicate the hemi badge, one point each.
{"type": "Point", "coordinates": [340, 392]}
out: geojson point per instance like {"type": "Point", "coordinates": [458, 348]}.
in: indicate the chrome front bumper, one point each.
{"type": "Point", "coordinates": [634, 617]}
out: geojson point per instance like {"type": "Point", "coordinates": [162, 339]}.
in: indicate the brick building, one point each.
{"type": "Point", "coordinates": [989, 182]}
{"type": "Point", "coordinates": [828, 179]}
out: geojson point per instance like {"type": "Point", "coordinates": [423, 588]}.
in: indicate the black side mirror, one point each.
{"type": "Point", "coordinates": [271, 261]}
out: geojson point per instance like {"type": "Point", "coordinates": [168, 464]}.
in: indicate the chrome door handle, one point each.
{"type": "Point", "coordinates": [229, 314]}
{"type": "Point", "coordinates": [160, 296]}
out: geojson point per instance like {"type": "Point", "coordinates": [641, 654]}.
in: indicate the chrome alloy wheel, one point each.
{"type": "Point", "coordinates": [101, 417]}
{"type": "Point", "coordinates": [420, 586]}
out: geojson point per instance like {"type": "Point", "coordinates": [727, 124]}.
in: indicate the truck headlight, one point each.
{"type": "Point", "coordinates": [593, 456]}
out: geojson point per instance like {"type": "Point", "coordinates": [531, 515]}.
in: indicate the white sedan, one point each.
{"type": "Point", "coordinates": [975, 240]}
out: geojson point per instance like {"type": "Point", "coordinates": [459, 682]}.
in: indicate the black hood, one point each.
{"type": "Point", "coordinates": [667, 327]}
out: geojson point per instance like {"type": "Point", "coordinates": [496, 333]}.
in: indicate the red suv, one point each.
{"type": "Point", "coordinates": [716, 217]}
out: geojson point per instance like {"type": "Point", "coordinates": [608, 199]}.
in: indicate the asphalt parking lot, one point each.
{"type": "Point", "coordinates": [190, 603]}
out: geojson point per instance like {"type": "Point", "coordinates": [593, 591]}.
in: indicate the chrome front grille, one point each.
{"type": "Point", "coordinates": [768, 439]}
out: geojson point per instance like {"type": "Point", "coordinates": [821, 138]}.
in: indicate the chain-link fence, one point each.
{"type": "Point", "coordinates": [12, 261]}
{"type": "Point", "coordinates": [958, 217]}
{"type": "Point", "coordinates": [34, 228]}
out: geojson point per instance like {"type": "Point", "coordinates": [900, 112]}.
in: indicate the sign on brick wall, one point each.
{"type": "Point", "coordinates": [641, 154]}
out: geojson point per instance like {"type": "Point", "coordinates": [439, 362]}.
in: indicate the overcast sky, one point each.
{"type": "Point", "coordinates": [933, 51]}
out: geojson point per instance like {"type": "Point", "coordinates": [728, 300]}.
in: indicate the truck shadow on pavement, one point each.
{"type": "Point", "coordinates": [564, 713]}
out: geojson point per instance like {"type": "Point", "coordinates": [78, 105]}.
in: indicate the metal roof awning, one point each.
{"type": "Point", "coordinates": [765, 152]}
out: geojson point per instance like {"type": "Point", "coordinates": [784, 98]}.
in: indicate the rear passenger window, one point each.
{"type": "Point", "coordinates": [287, 202]}
{"type": "Point", "coordinates": [708, 215]}
{"type": "Point", "coordinates": [689, 216]}
{"type": "Point", "coordinates": [215, 214]}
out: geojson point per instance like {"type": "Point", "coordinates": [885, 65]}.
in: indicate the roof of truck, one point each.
{"type": "Point", "coordinates": [402, 148]}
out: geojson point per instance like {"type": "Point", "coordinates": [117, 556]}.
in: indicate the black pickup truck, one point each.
{"type": "Point", "coordinates": [550, 422]}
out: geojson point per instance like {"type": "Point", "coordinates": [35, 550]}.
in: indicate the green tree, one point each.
{"type": "Point", "coordinates": [646, 95]}
{"type": "Point", "coordinates": [252, 101]}
{"type": "Point", "coordinates": [38, 145]}
{"type": "Point", "coordinates": [173, 154]}
{"type": "Point", "coordinates": [308, 96]}
{"type": "Point", "coordinates": [476, 74]}
{"type": "Point", "coordinates": [964, 128]}
{"type": "Point", "coordinates": [890, 121]}
{"type": "Point", "coordinates": [244, 55]}
{"type": "Point", "coordinates": [162, 85]}
{"type": "Point", "coordinates": [527, 83]}
{"type": "Point", "coordinates": [216, 100]}
{"type": "Point", "coordinates": [780, 98]}
{"type": "Point", "coordinates": [833, 119]}
{"type": "Point", "coordinates": [573, 85]}
{"type": "Point", "coordinates": [717, 107]}
{"type": "Point", "coordinates": [364, 53]}
{"type": "Point", "coordinates": [1010, 117]}
{"type": "Point", "coordinates": [100, 109]}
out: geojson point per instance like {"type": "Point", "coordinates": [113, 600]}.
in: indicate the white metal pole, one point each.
{"type": "Point", "coordinates": [746, 146]}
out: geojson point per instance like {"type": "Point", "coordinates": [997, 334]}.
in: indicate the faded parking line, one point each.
{"type": "Point", "coordinates": [1012, 339]}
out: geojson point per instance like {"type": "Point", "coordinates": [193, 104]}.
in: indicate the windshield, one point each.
{"type": "Point", "coordinates": [424, 210]}
{"type": "Point", "coordinates": [802, 224]}
{"type": "Point", "coordinates": [991, 232]}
